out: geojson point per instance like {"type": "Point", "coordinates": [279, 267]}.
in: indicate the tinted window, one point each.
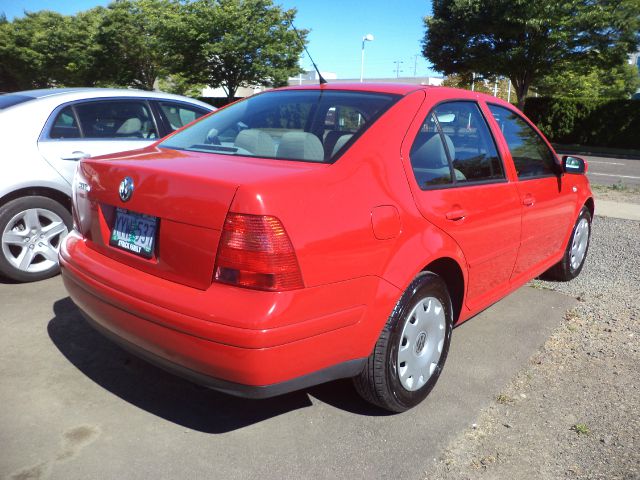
{"type": "Point", "coordinates": [531, 156]}
{"type": "Point", "coordinates": [65, 125]}
{"type": "Point", "coordinates": [429, 156]}
{"type": "Point", "coordinates": [471, 147]}
{"type": "Point", "coordinates": [116, 119]}
{"type": "Point", "coordinates": [293, 125]}
{"type": "Point", "coordinates": [178, 115]}
{"type": "Point", "coordinates": [455, 145]}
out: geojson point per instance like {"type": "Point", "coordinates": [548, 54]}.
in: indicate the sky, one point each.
{"type": "Point", "coordinates": [337, 28]}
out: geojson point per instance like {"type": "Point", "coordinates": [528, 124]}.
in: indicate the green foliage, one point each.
{"type": "Point", "coordinates": [46, 49]}
{"type": "Point", "coordinates": [134, 43]}
{"type": "Point", "coordinates": [620, 82]}
{"type": "Point", "coordinates": [587, 121]}
{"type": "Point", "coordinates": [186, 43]}
{"type": "Point", "coordinates": [236, 43]}
{"type": "Point", "coordinates": [525, 40]}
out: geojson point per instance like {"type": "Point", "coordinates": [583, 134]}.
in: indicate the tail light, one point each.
{"type": "Point", "coordinates": [256, 252]}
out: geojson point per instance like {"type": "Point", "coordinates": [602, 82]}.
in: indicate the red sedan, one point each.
{"type": "Point", "coordinates": [314, 233]}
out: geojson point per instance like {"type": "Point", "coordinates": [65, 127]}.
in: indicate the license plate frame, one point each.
{"type": "Point", "coordinates": [134, 232]}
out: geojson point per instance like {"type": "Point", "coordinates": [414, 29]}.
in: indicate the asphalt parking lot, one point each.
{"type": "Point", "coordinates": [75, 406]}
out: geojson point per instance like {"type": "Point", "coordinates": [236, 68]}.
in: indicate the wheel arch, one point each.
{"type": "Point", "coordinates": [449, 270]}
{"type": "Point", "coordinates": [56, 195]}
{"type": "Point", "coordinates": [590, 204]}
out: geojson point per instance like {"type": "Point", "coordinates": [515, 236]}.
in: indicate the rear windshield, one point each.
{"type": "Point", "coordinates": [305, 125]}
{"type": "Point", "coordinates": [10, 99]}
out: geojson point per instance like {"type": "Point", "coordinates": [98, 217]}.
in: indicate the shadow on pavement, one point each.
{"type": "Point", "coordinates": [171, 397]}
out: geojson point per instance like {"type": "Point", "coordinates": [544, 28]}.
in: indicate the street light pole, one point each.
{"type": "Point", "coordinates": [367, 38]}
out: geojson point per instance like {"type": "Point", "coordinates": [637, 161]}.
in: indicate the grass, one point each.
{"type": "Point", "coordinates": [581, 429]}
{"type": "Point", "coordinates": [616, 187]}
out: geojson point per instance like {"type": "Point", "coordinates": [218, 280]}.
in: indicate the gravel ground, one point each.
{"type": "Point", "coordinates": [615, 193]}
{"type": "Point", "coordinates": [574, 412]}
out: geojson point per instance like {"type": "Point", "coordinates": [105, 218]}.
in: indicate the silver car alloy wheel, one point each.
{"type": "Point", "coordinates": [579, 244]}
{"type": "Point", "coordinates": [421, 343]}
{"type": "Point", "coordinates": [31, 240]}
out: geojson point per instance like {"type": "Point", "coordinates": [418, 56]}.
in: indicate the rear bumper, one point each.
{"type": "Point", "coordinates": [244, 342]}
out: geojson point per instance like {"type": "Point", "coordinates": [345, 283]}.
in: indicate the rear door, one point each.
{"type": "Point", "coordinates": [95, 127]}
{"type": "Point", "coordinates": [548, 204]}
{"type": "Point", "coordinates": [461, 186]}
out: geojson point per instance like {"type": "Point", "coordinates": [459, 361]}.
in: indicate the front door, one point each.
{"type": "Point", "coordinates": [547, 205]}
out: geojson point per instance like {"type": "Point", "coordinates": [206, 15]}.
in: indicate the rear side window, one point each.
{"type": "Point", "coordinates": [116, 119]}
{"type": "Point", "coordinates": [65, 125]}
{"type": "Point", "coordinates": [305, 125]}
{"type": "Point", "coordinates": [179, 115]}
{"type": "Point", "coordinates": [455, 146]}
{"type": "Point", "coordinates": [531, 156]}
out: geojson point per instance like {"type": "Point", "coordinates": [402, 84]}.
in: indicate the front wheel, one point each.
{"type": "Point", "coordinates": [31, 231]}
{"type": "Point", "coordinates": [576, 252]}
{"type": "Point", "coordinates": [412, 348]}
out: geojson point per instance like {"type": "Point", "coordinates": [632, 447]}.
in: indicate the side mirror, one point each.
{"type": "Point", "coordinates": [573, 165]}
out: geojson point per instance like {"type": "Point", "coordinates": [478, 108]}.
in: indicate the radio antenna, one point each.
{"type": "Point", "coordinates": [320, 77]}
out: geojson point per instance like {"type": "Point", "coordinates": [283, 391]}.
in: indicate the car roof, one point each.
{"type": "Point", "coordinates": [65, 94]}
{"type": "Point", "coordinates": [397, 89]}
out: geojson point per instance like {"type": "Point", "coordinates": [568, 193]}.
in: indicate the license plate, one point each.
{"type": "Point", "coordinates": [134, 232]}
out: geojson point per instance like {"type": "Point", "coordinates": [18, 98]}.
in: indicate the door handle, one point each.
{"type": "Point", "coordinates": [456, 215]}
{"type": "Point", "coordinates": [529, 200]}
{"type": "Point", "coordinates": [77, 155]}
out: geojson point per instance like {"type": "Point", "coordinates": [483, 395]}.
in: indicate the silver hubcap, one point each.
{"type": "Point", "coordinates": [31, 240]}
{"type": "Point", "coordinates": [580, 242]}
{"type": "Point", "coordinates": [421, 343]}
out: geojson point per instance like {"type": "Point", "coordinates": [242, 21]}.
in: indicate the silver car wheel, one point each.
{"type": "Point", "coordinates": [580, 243]}
{"type": "Point", "coordinates": [31, 240]}
{"type": "Point", "coordinates": [421, 343]}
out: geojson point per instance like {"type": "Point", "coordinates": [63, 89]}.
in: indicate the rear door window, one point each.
{"type": "Point", "coordinates": [116, 119]}
{"type": "Point", "coordinates": [455, 146]}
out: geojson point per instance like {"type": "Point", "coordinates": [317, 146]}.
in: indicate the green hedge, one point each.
{"type": "Point", "coordinates": [588, 122]}
{"type": "Point", "coordinates": [217, 102]}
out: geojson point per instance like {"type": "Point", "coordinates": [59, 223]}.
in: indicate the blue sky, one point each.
{"type": "Point", "coordinates": [337, 28]}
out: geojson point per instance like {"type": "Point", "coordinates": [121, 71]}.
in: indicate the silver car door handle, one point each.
{"type": "Point", "coordinates": [77, 155]}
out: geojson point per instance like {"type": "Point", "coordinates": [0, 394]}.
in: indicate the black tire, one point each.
{"type": "Point", "coordinates": [380, 381]}
{"type": "Point", "coordinates": [50, 221]}
{"type": "Point", "coordinates": [567, 268]}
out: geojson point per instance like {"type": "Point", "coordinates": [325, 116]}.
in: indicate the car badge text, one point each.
{"type": "Point", "coordinates": [126, 189]}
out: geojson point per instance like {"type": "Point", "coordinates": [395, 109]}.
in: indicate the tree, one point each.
{"type": "Point", "coordinates": [132, 37]}
{"type": "Point", "coordinates": [620, 82]}
{"type": "Point", "coordinates": [525, 40]}
{"type": "Point", "coordinates": [46, 49]}
{"type": "Point", "coordinates": [236, 43]}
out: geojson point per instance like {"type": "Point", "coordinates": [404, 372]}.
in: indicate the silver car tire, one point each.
{"type": "Point", "coordinates": [31, 231]}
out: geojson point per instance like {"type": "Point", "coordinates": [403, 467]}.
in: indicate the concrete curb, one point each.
{"type": "Point", "coordinates": [627, 211]}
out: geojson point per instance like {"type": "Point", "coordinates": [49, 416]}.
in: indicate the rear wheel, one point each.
{"type": "Point", "coordinates": [32, 229]}
{"type": "Point", "coordinates": [574, 256]}
{"type": "Point", "coordinates": [412, 348]}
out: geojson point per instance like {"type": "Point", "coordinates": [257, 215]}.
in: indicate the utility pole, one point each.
{"type": "Point", "coordinates": [415, 65]}
{"type": "Point", "coordinates": [397, 64]}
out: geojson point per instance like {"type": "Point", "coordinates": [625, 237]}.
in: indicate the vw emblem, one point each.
{"type": "Point", "coordinates": [126, 189]}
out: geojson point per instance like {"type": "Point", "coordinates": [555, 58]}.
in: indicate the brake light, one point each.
{"type": "Point", "coordinates": [256, 252]}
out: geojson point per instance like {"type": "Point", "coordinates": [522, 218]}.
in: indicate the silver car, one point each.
{"type": "Point", "coordinates": [43, 134]}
